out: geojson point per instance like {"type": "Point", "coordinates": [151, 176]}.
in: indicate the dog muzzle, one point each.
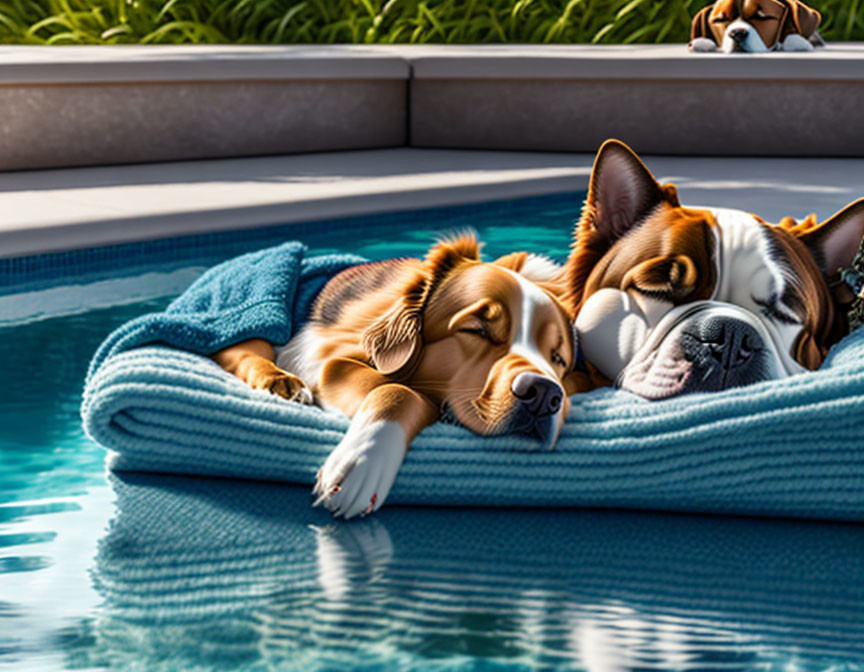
{"type": "Point", "coordinates": [657, 351]}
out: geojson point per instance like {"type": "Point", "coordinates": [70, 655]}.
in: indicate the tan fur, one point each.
{"type": "Point", "coordinates": [668, 256]}
{"type": "Point", "coordinates": [353, 386]}
{"type": "Point", "coordinates": [409, 336]}
{"type": "Point", "coordinates": [252, 362]}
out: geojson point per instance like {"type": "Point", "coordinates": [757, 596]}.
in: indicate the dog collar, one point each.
{"type": "Point", "coordinates": [580, 364]}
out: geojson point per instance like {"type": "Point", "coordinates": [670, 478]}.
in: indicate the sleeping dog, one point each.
{"type": "Point", "coordinates": [395, 344]}
{"type": "Point", "coordinates": [755, 26]}
{"type": "Point", "coordinates": [671, 299]}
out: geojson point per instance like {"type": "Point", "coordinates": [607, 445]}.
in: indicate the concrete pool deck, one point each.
{"type": "Point", "coordinates": [53, 210]}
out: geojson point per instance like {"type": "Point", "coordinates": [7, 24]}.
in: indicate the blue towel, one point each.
{"type": "Point", "coordinates": [265, 294]}
{"type": "Point", "coordinates": [789, 448]}
{"type": "Point", "coordinates": [247, 574]}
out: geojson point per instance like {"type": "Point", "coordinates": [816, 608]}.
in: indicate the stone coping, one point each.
{"type": "Point", "coordinates": [839, 61]}
{"type": "Point", "coordinates": [156, 63]}
{"type": "Point", "coordinates": [55, 210]}
{"type": "Point", "coordinates": [92, 64]}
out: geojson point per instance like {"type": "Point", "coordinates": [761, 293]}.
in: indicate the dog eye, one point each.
{"type": "Point", "coordinates": [770, 308]}
{"type": "Point", "coordinates": [482, 332]}
{"type": "Point", "coordinates": [719, 19]}
{"type": "Point", "coordinates": [760, 15]}
{"type": "Point", "coordinates": [558, 360]}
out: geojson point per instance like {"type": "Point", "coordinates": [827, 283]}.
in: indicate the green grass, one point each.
{"type": "Point", "coordinates": [372, 21]}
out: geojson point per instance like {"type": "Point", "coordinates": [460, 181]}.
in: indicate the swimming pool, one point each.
{"type": "Point", "coordinates": [171, 573]}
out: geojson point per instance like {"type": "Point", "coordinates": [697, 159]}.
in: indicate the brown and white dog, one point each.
{"type": "Point", "coordinates": [397, 344]}
{"type": "Point", "coordinates": [755, 26]}
{"type": "Point", "coordinates": [671, 299]}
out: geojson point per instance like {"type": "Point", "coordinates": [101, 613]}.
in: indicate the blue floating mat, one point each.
{"type": "Point", "coordinates": [786, 448]}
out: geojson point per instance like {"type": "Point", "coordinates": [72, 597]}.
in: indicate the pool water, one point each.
{"type": "Point", "coordinates": [150, 572]}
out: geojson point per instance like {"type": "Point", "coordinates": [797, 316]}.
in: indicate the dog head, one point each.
{"type": "Point", "coordinates": [482, 339]}
{"type": "Point", "coordinates": [754, 25]}
{"type": "Point", "coordinates": [673, 299]}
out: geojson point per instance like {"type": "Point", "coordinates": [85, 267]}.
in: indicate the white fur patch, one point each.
{"type": "Point", "coordinates": [364, 466]}
{"type": "Point", "coordinates": [749, 271]}
{"type": "Point", "coordinates": [795, 42]}
{"type": "Point", "coordinates": [300, 356]}
{"type": "Point", "coordinates": [703, 45]}
{"type": "Point", "coordinates": [538, 268]}
{"type": "Point", "coordinates": [523, 343]}
{"type": "Point", "coordinates": [752, 44]}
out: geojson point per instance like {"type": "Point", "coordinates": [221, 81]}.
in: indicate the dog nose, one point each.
{"type": "Point", "coordinates": [738, 34]}
{"type": "Point", "coordinates": [539, 395]}
{"type": "Point", "coordinates": [729, 342]}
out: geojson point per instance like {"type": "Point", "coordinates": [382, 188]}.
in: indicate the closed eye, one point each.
{"type": "Point", "coordinates": [481, 332]}
{"type": "Point", "coordinates": [558, 360]}
{"type": "Point", "coordinates": [770, 308]}
{"type": "Point", "coordinates": [719, 19]}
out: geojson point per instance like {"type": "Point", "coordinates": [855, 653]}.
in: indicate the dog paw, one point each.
{"type": "Point", "coordinates": [357, 476]}
{"type": "Point", "coordinates": [286, 385]}
{"type": "Point", "coordinates": [702, 45]}
{"type": "Point", "coordinates": [795, 42]}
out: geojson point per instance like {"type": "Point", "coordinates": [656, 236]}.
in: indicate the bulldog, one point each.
{"type": "Point", "coordinates": [669, 299]}
{"type": "Point", "coordinates": [398, 344]}
{"type": "Point", "coordinates": [755, 26]}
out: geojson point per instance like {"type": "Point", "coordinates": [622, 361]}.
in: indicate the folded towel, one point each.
{"type": "Point", "coordinates": [790, 448]}
{"type": "Point", "coordinates": [265, 294]}
{"type": "Point", "coordinates": [247, 574]}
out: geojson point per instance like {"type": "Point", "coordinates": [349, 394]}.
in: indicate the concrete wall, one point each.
{"type": "Point", "coordinates": [105, 106]}
{"type": "Point", "coordinates": [661, 99]}
{"type": "Point", "coordinates": [70, 106]}
{"type": "Point", "coordinates": [737, 118]}
{"type": "Point", "coordinates": [108, 123]}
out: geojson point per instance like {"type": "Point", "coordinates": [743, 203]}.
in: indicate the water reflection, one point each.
{"type": "Point", "coordinates": [200, 573]}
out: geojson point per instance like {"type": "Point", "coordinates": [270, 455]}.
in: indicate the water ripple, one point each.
{"type": "Point", "coordinates": [26, 563]}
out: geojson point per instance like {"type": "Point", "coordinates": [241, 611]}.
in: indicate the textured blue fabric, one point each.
{"type": "Point", "coordinates": [264, 294]}
{"type": "Point", "coordinates": [789, 448]}
{"type": "Point", "coordinates": [248, 574]}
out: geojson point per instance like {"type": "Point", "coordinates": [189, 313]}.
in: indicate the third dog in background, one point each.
{"type": "Point", "coordinates": [754, 26]}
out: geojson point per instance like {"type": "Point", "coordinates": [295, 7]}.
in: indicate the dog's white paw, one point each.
{"type": "Point", "coordinates": [702, 45]}
{"type": "Point", "coordinates": [796, 42]}
{"type": "Point", "coordinates": [358, 474]}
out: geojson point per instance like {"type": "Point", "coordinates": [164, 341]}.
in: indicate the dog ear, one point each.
{"type": "Point", "coordinates": [512, 262]}
{"type": "Point", "coordinates": [395, 339]}
{"type": "Point", "coordinates": [621, 192]}
{"type": "Point", "coordinates": [446, 255]}
{"type": "Point", "coordinates": [834, 242]}
{"type": "Point", "coordinates": [800, 20]}
{"type": "Point", "coordinates": [701, 26]}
